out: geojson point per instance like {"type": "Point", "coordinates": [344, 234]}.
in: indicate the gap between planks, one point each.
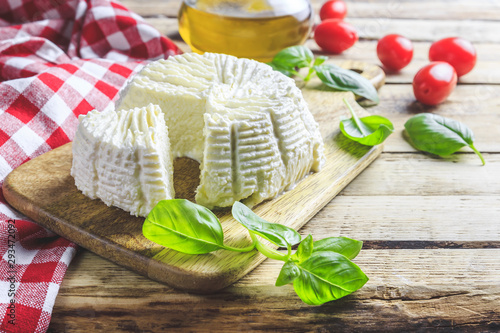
{"type": "Point", "coordinates": [454, 268]}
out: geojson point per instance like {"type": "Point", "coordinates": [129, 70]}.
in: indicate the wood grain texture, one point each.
{"type": "Point", "coordinates": [439, 10]}
{"type": "Point", "coordinates": [44, 190]}
{"type": "Point", "coordinates": [486, 70]}
{"type": "Point", "coordinates": [408, 290]}
{"type": "Point", "coordinates": [410, 218]}
{"type": "Point", "coordinates": [423, 175]}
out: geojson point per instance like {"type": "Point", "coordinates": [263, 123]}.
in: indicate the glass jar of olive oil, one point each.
{"type": "Point", "coordinates": [256, 29]}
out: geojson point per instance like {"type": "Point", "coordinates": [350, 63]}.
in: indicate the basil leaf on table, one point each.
{"type": "Point", "coordinates": [277, 234]}
{"type": "Point", "coordinates": [439, 135]}
{"type": "Point", "coordinates": [346, 80]}
{"type": "Point", "coordinates": [369, 131]}
{"type": "Point", "coordinates": [184, 226]}
{"type": "Point", "coordinates": [288, 273]}
{"type": "Point", "coordinates": [327, 276]}
{"type": "Point", "coordinates": [346, 246]}
{"type": "Point", "coordinates": [293, 57]}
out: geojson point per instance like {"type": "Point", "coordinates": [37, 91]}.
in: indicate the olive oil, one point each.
{"type": "Point", "coordinates": [256, 29]}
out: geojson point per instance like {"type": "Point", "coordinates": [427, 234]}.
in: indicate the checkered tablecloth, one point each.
{"type": "Point", "coordinates": [58, 59]}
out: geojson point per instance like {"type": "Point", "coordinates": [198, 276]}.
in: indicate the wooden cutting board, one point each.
{"type": "Point", "coordinates": [44, 190]}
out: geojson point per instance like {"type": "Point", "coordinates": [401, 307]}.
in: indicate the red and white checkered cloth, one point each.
{"type": "Point", "coordinates": [58, 59]}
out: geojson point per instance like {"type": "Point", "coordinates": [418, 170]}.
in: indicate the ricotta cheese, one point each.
{"type": "Point", "coordinates": [123, 158]}
{"type": "Point", "coordinates": [247, 125]}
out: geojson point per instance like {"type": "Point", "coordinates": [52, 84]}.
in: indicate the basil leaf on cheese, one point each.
{"type": "Point", "coordinates": [282, 70]}
{"type": "Point", "coordinates": [293, 57]}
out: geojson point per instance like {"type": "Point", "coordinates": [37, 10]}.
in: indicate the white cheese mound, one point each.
{"type": "Point", "coordinates": [123, 158]}
{"type": "Point", "coordinates": [247, 125]}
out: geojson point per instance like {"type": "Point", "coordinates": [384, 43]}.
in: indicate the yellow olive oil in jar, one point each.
{"type": "Point", "coordinates": [256, 29]}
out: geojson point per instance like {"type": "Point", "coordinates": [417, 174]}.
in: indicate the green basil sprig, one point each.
{"type": "Point", "coordinates": [294, 57]}
{"type": "Point", "coordinates": [369, 131]}
{"type": "Point", "coordinates": [320, 271]}
{"type": "Point", "coordinates": [186, 227]}
{"type": "Point", "coordinates": [288, 61]}
{"type": "Point", "coordinates": [277, 234]}
{"type": "Point", "coordinates": [439, 135]}
{"type": "Point", "coordinates": [346, 80]}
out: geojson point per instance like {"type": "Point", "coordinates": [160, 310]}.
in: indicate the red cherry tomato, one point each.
{"type": "Point", "coordinates": [395, 52]}
{"type": "Point", "coordinates": [333, 9]}
{"type": "Point", "coordinates": [335, 36]}
{"type": "Point", "coordinates": [434, 82]}
{"type": "Point", "coordinates": [458, 52]}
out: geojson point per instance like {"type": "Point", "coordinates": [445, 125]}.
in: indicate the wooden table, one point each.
{"type": "Point", "coordinates": [431, 225]}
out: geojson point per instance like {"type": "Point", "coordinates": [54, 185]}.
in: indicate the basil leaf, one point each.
{"type": "Point", "coordinates": [288, 273]}
{"type": "Point", "coordinates": [439, 135]}
{"type": "Point", "coordinates": [327, 276]}
{"type": "Point", "coordinates": [319, 60]}
{"type": "Point", "coordinates": [346, 80]}
{"type": "Point", "coordinates": [280, 69]}
{"type": "Point", "coordinates": [293, 56]}
{"type": "Point", "coordinates": [183, 226]}
{"type": "Point", "coordinates": [343, 245]}
{"type": "Point", "coordinates": [277, 234]}
{"type": "Point", "coordinates": [305, 249]}
{"type": "Point", "coordinates": [369, 131]}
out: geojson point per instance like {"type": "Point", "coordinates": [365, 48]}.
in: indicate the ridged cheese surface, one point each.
{"type": "Point", "coordinates": [247, 125]}
{"type": "Point", "coordinates": [123, 158]}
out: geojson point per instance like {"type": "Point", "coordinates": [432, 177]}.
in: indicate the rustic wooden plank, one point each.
{"type": "Point", "coordinates": [477, 106]}
{"type": "Point", "coordinates": [408, 290]}
{"type": "Point", "coordinates": [485, 128]}
{"type": "Point", "coordinates": [166, 8]}
{"type": "Point", "coordinates": [413, 217]}
{"type": "Point", "coordinates": [460, 10]}
{"type": "Point", "coordinates": [465, 101]}
{"type": "Point", "coordinates": [423, 10]}
{"type": "Point", "coordinates": [166, 26]}
{"type": "Point", "coordinates": [486, 71]}
{"type": "Point", "coordinates": [424, 175]}
{"type": "Point", "coordinates": [426, 244]}
{"type": "Point", "coordinates": [427, 30]}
